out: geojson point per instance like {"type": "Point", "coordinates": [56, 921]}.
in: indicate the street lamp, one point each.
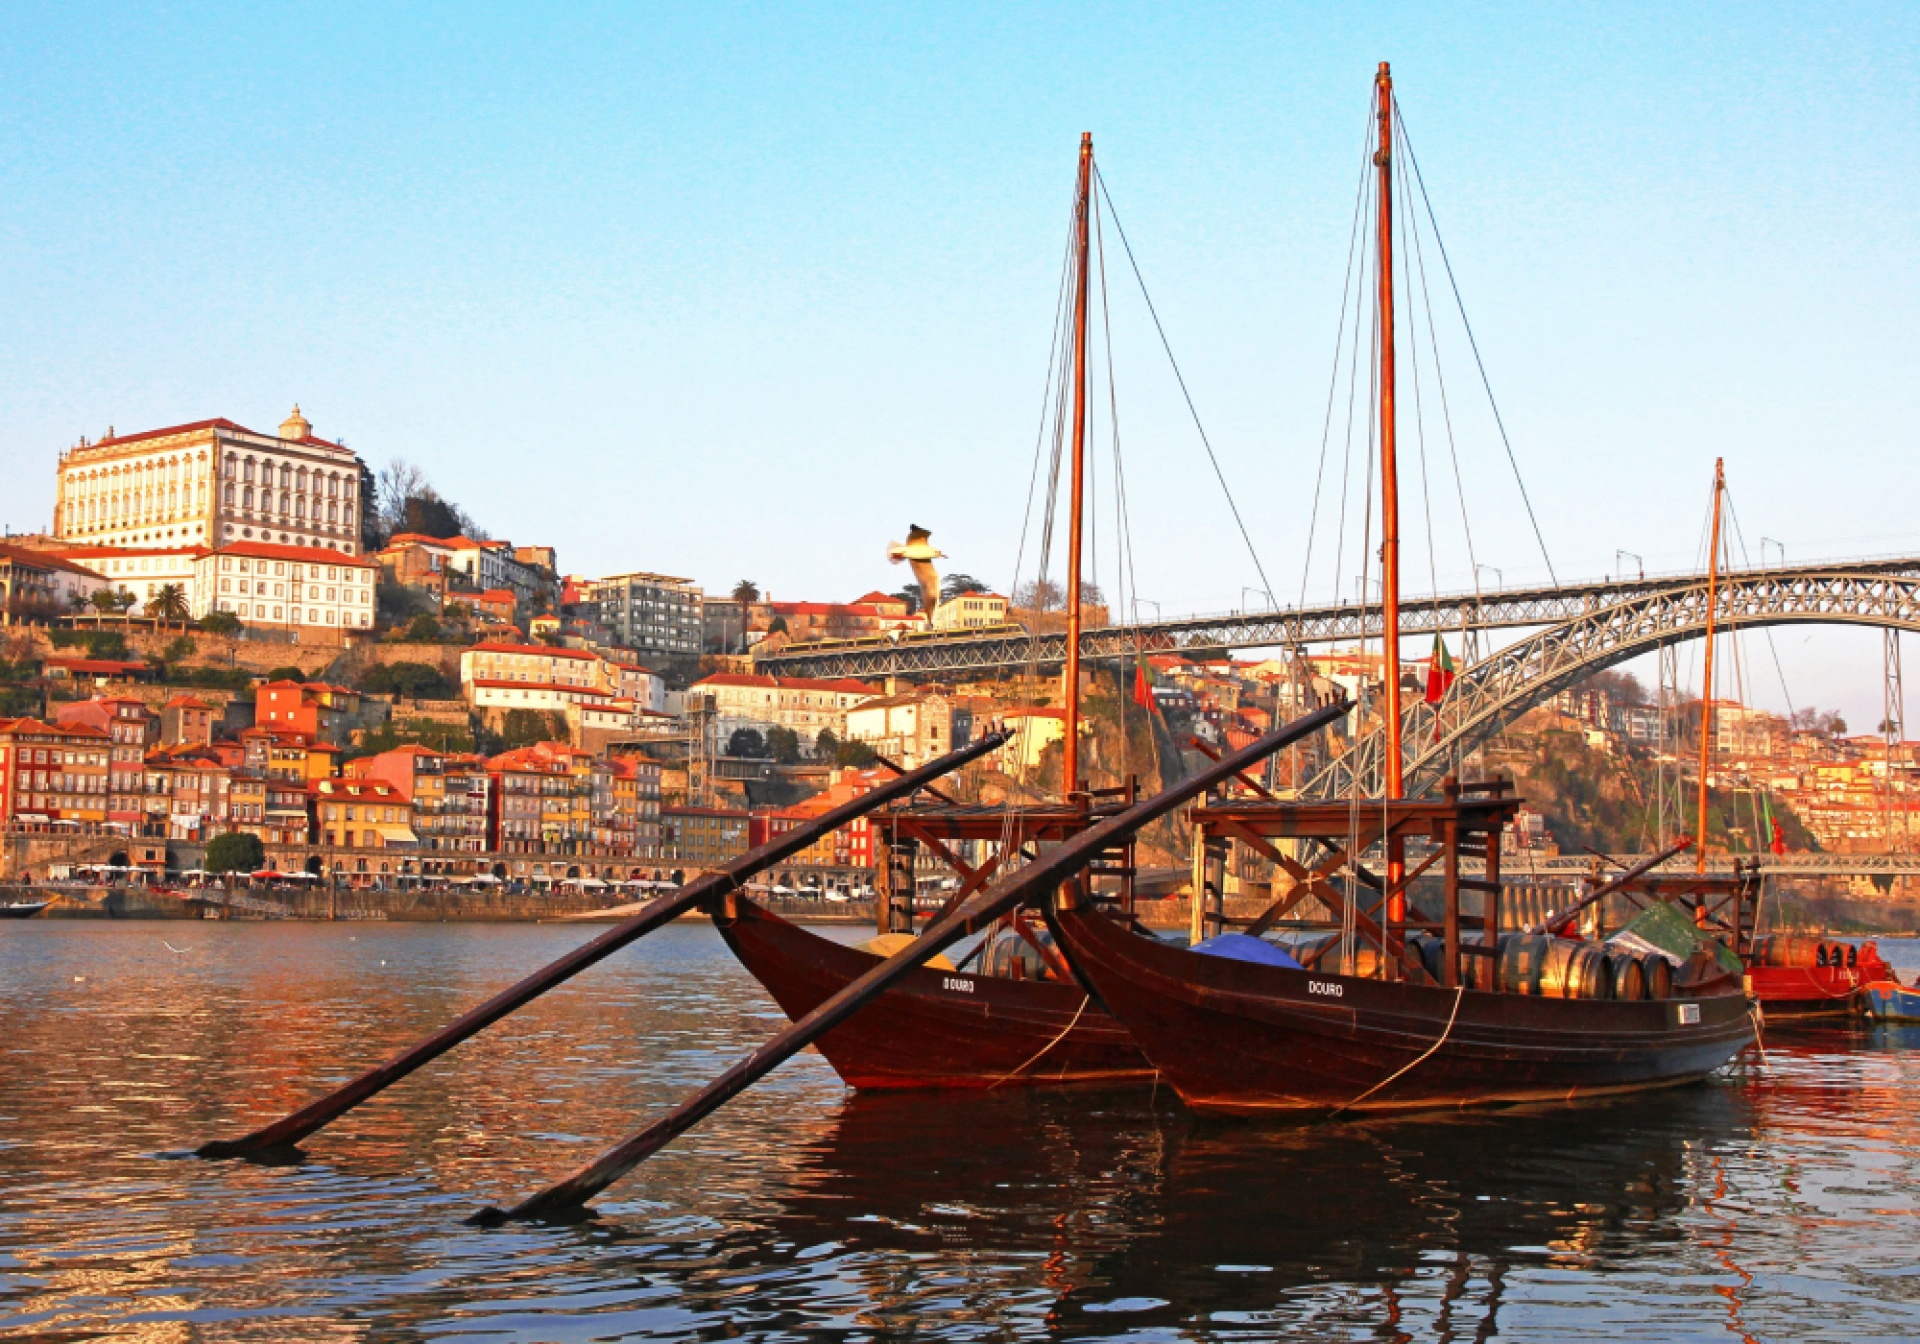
{"type": "Point", "coordinates": [1150, 602]}
{"type": "Point", "coordinates": [1500, 579]}
{"type": "Point", "coordinates": [1638, 560]}
{"type": "Point", "coordinates": [1244, 590]}
{"type": "Point", "coordinates": [1779, 546]}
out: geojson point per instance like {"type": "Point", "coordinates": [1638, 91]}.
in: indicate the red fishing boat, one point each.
{"type": "Point", "coordinates": [1396, 1006]}
{"type": "Point", "coordinates": [1012, 1013]}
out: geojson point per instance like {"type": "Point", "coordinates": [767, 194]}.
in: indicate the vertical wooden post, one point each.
{"type": "Point", "coordinates": [1450, 837]}
{"type": "Point", "coordinates": [1218, 850]}
{"type": "Point", "coordinates": [1197, 926]}
{"type": "Point", "coordinates": [1492, 895]}
{"type": "Point", "coordinates": [882, 881]}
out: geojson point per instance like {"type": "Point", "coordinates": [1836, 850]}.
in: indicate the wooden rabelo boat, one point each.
{"type": "Point", "coordinates": [1791, 979]}
{"type": "Point", "coordinates": [1403, 1007]}
{"type": "Point", "coordinates": [973, 1027]}
{"type": "Point", "coordinates": [998, 1019]}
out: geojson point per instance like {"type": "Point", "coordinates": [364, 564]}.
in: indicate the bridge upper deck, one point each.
{"type": "Point", "coordinates": [1005, 648]}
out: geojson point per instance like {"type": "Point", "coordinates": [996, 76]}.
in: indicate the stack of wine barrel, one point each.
{"type": "Point", "coordinates": [1558, 968]}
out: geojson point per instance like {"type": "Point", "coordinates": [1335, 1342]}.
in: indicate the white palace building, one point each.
{"type": "Point", "coordinates": [264, 527]}
{"type": "Point", "coordinates": [212, 483]}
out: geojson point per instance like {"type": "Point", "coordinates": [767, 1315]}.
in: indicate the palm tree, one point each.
{"type": "Point", "coordinates": [745, 593]}
{"type": "Point", "coordinates": [169, 603]}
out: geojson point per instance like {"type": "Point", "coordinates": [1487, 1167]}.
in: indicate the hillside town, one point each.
{"type": "Point", "coordinates": [232, 631]}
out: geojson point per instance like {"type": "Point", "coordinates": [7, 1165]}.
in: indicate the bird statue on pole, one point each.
{"type": "Point", "coordinates": [918, 551]}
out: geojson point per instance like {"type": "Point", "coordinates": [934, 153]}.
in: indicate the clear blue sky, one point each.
{"type": "Point", "coordinates": [740, 292]}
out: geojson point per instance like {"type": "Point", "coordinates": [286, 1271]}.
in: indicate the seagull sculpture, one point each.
{"type": "Point", "coordinates": [918, 551]}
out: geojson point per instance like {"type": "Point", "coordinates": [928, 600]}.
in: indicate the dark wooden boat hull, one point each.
{"type": "Point", "coordinates": [1241, 1038]}
{"type": "Point", "coordinates": [1797, 993]}
{"type": "Point", "coordinates": [936, 1029]}
{"type": "Point", "coordinates": [23, 910]}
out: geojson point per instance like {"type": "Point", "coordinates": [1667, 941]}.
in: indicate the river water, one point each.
{"type": "Point", "coordinates": [1781, 1201]}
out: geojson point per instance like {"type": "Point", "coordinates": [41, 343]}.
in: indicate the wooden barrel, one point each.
{"type": "Point", "coordinates": [1659, 973]}
{"type": "Point", "coordinates": [1521, 958]}
{"type": "Point", "coordinates": [1555, 963]}
{"type": "Point", "coordinates": [1589, 977]}
{"type": "Point", "coordinates": [1629, 976]}
{"type": "Point", "coordinates": [1432, 951]}
{"type": "Point", "coordinates": [1574, 969]}
{"type": "Point", "coordinates": [1789, 950]}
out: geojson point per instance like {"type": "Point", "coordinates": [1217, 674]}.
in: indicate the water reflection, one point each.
{"type": "Point", "coordinates": [1776, 1203]}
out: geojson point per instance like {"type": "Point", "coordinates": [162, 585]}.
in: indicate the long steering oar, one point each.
{"type": "Point", "coordinates": [566, 1198]}
{"type": "Point", "coordinates": [284, 1133]}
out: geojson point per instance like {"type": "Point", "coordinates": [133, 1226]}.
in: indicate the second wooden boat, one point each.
{"type": "Point", "coordinates": [1018, 1020]}
{"type": "Point", "coordinates": [1400, 1007]}
{"type": "Point", "coordinates": [938, 1028]}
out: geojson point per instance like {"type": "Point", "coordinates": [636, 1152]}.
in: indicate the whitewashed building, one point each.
{"type": "Point", "coordinates": [211, 483]}
{"type": "Point", "coordinates": [295, 587]}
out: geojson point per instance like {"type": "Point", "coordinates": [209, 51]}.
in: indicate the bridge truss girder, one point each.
{"type": "Point", "coordinates": [1492, 693]}
{"type": "Point", "coordinates": [1335, 623]}
{"type": "Point", "coordinates": [1518, 867]}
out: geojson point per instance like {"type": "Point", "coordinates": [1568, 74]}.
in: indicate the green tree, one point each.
{"type": "Point", "coordinates": [180, 649]}
{"type": "Point", "coordinates": [745, 594]}
{"type": "Point", "coordinates": [524, 727]}
{"type": "Point", "coordinates": [169, 603]}
{"type": "Point", "coordinates": [783, 744]}
{"type": "Point", "coordinates": [235, 852]}
{"type": "Point", "coordinates": [854, 753]}
{"type": "Point", "coordinates": [420, 681]}
{"type": "Point", "coordinates": [287, 673]}
{"type": "Point", "coordinates": [220, 623]}
{"type": "Point", "coordinates": [423, 629]}
{"type": "Point", "coordinates": [746, 743]}
{"type": "Point", "coordinates": [958, 584]}
{"type": "Point", "coordinates": [826, 744]}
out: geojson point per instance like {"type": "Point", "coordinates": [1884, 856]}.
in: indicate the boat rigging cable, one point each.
{"type": "Point", "coordinates": [1179, 377]}
{"type": "Point", "coordinates": [1413, 159]}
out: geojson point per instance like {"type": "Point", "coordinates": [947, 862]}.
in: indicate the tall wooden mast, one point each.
{"type": "Point", "coordinates": [1070, 758]}
{"type": "Point", "coordinates": [1706, 698]}
{"type": "Point", "coordinates": [1389, 485]}
{"type": "Point", "coordinates": [1389, 470]}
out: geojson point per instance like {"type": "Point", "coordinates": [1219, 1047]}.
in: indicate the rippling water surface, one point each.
{"type": "Point", "coordinates": [1779, 1202]}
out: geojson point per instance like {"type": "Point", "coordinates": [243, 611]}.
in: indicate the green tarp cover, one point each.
{"type": "Point", "coordinates": [1665, 929]}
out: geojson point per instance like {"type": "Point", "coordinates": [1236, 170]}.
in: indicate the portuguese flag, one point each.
{"type": "Point", "coordinates": [1776, 838]}
{"type": "Point", "coordinates": [1439, 672]}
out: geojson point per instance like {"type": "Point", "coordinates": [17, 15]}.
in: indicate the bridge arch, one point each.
{"type": "Point", "coordinates": [1491, 694]}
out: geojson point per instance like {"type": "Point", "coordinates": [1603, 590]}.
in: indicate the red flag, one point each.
{"type": "Point", "coordinates": [1439, 672]}
{"type": "Point", "coordinates": [1778, 840]}
{"type": "Point", "coordinates": [1142, 684]}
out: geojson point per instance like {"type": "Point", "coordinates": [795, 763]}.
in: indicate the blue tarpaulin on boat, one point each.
{"type": "Point", "coordinates": [1241, 947]}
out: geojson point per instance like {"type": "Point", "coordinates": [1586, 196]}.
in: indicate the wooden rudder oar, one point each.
{"type": "Point", "coordinates": [289, 1130]}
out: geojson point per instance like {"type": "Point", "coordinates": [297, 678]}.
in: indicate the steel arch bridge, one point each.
{"type": "Point", "coordinates": [963, 652]}
{"type": "Point", "coordinates": [1492, 693]}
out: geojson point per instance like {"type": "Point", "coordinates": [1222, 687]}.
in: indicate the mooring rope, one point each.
{"type": "Point", "coordinates": [1404, 1069]}
{"type": "Point", "coordinates": [1074, 1021]}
